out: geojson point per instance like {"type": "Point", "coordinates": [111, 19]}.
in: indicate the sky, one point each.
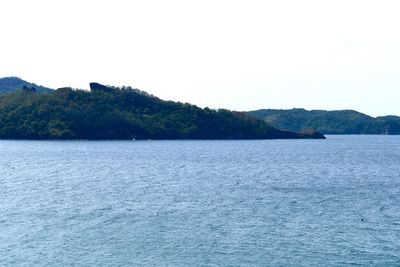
{"type": "Point", "coordinates": [240, 55]}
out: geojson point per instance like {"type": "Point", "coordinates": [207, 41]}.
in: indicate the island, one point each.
{"type": "Point", "coordinates": [123, 113]}
{"type": "Point", "coordinates": [328, 122]}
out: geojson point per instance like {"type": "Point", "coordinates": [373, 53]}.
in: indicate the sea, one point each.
{"type": "Point", "coordinates": [333, 202]}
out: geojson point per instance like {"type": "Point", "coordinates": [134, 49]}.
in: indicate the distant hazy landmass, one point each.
{"type": "Point", "coordinates": [328, 122]}
{"type": "Point", "coordinates": [108, 112]}
{"type": "Point", "coordinates": [10, 84]}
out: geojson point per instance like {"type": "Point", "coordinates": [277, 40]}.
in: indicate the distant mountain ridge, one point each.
{"type": "Point", "coordinates": [328, 122]}
{"type": "Point", "coordinates": [11, 84]}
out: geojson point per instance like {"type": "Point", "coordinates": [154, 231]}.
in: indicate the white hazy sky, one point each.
{"type": "Point", "coordinates": [241, 55]}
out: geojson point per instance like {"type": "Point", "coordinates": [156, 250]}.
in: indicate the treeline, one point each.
{"type": "Point", "coordinates": [122, 113]}
{"type": "Point", "coordinates": [329, 122]}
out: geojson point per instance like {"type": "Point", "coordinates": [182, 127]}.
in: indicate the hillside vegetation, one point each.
{"type": "Point", "coordinates": [122, 113]}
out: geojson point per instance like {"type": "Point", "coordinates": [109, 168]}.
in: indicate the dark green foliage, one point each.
{"type": "Point", "coordinates": [329, 122]}
{"type": "Point", "coordinates": [122, 113]}
{"type": "Point", "coordinates": [11, 84]}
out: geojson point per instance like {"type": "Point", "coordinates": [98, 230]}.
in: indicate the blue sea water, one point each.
{"type": "Point", "coordinates": [333, 202]}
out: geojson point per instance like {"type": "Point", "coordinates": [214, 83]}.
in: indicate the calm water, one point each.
{"type": "Point", "coordinates": [201, 203]}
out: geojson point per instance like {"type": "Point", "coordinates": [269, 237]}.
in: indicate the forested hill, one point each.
{"type": "Point", "coordinates": [122, 113]}
{"type": "Point", "coordinates": [11, 84]}
{"type": "Point", "coordinates": [329, 122]}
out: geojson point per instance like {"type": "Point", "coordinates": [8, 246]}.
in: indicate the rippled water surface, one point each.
{"type": "Point", "coordinates": [201, 203]}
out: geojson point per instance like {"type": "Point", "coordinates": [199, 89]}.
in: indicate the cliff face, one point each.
{"type": "Point", "coordinates": [99, 88]}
